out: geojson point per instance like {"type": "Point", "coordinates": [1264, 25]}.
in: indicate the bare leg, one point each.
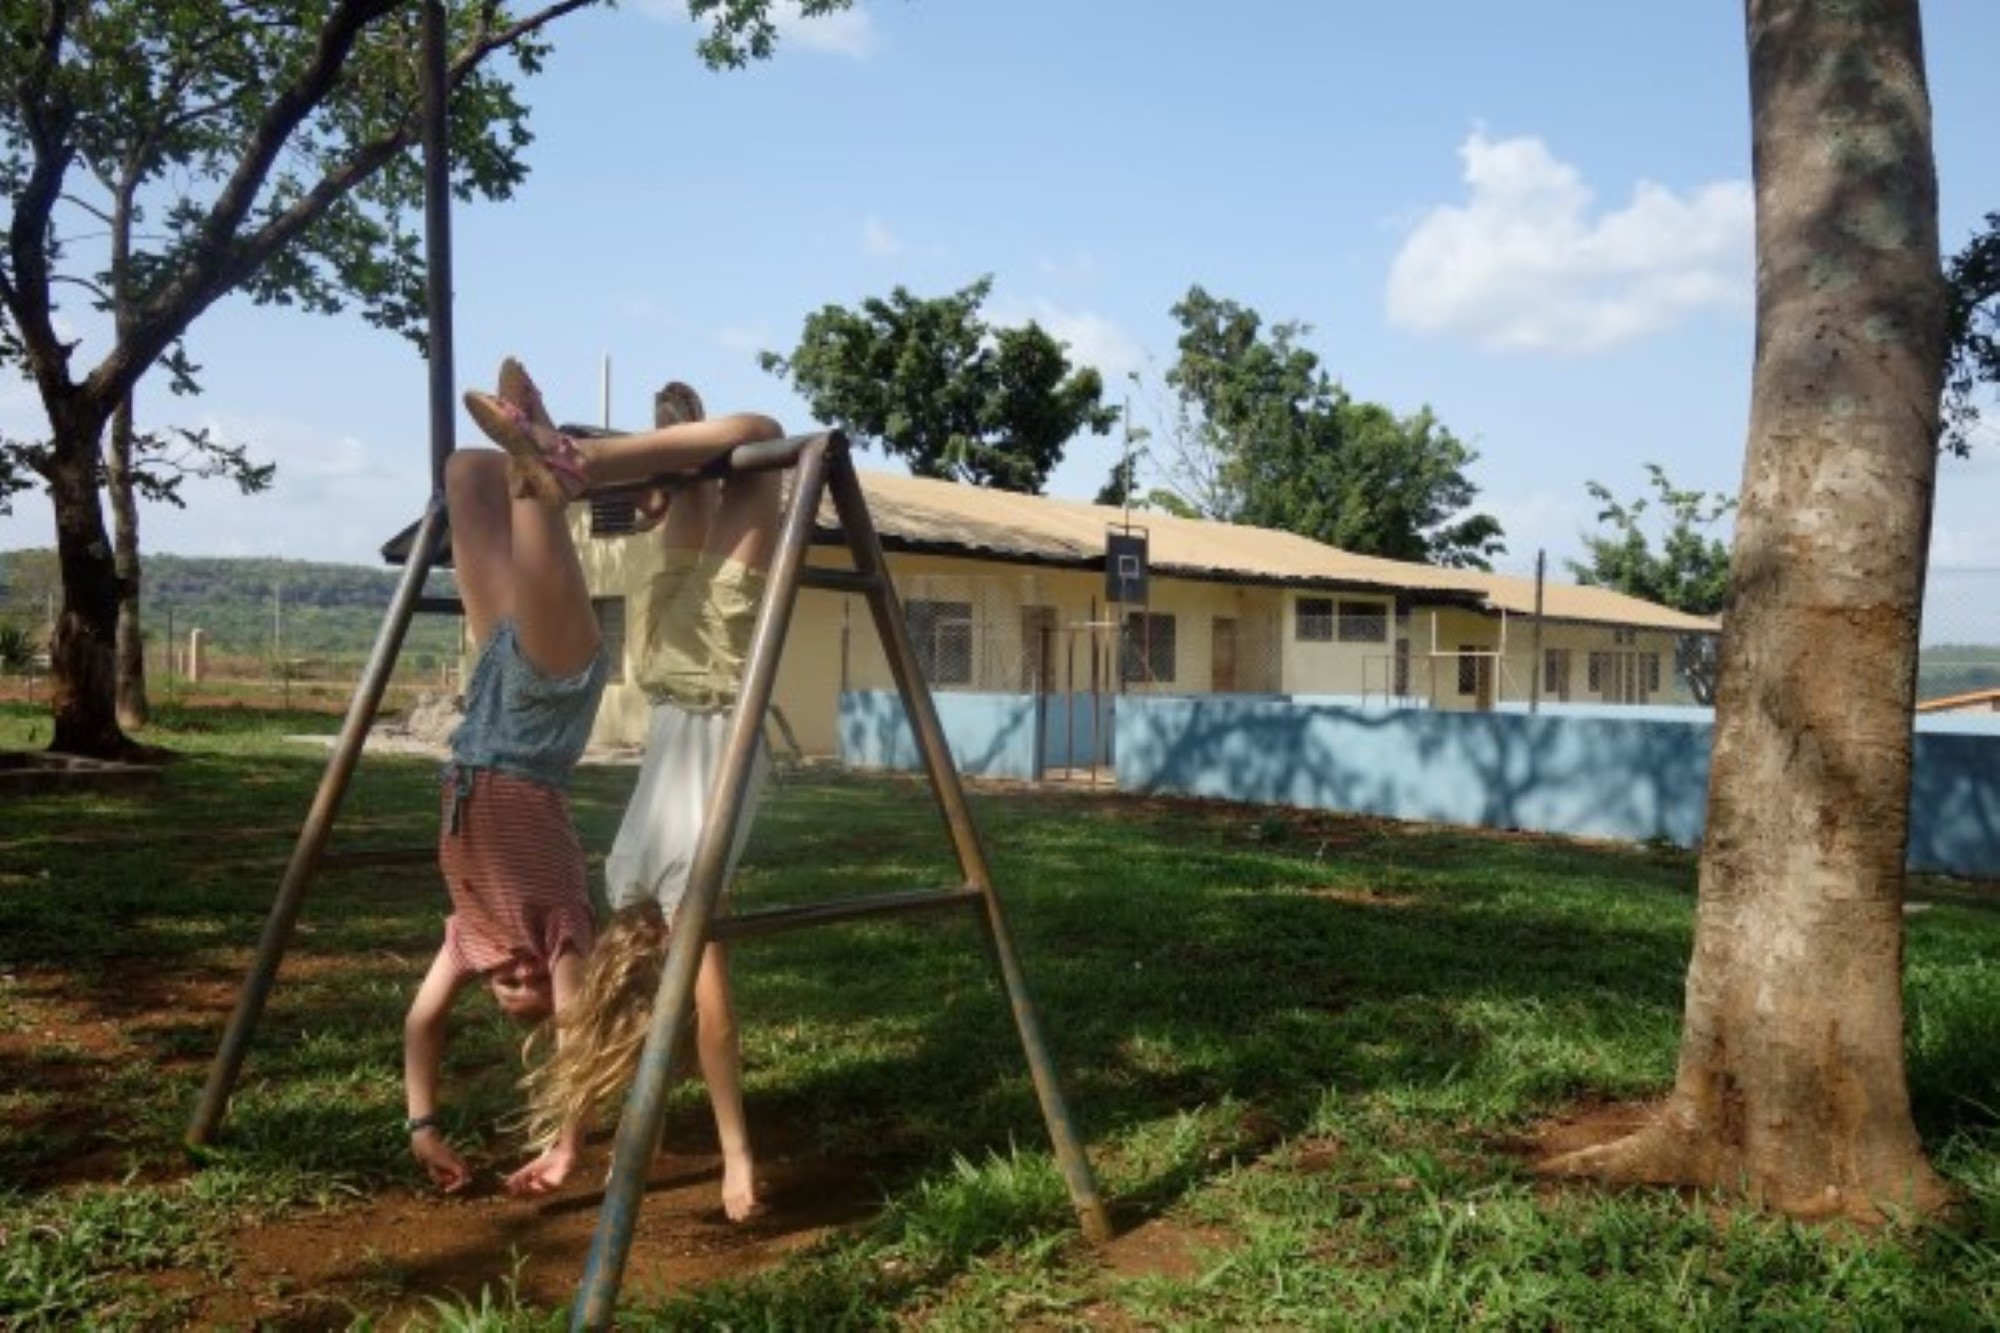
{"type": "Point", "coordinates": [720, 1051]}
{"type": "Point", "coordinates": [482, 542]}
{"type": "Point", "coordinates": [552, 613]}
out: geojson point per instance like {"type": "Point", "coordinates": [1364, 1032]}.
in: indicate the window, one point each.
{"type": "Point", "coordinates": [611, 627]}
{"type": "Point", "coordinates": [1652, 673]}
{"type": "Point", "coordinates": [1402, 666]}
{"type": "Point", "coordinates": [1148, 651]}
{"type": "Point", "coordinates": [1363, 622]}
{"type": "Point", "coordinates": [1469, 668]}
{"type": "Point", "coordinates": [941, 635]}
{"type": "Point", "coordinates": [613, 515]}
{"type": "Point", "coordinates": [1555, 673]}
{"type": "Point", "coordinates": [1313, 620]}
{"type": "Point", "coordinates": [1624, 636]}
{"type": "Point", "coordinates": [1594, 675]}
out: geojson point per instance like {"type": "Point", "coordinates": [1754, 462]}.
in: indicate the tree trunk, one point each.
{"type": "Point", "coordinates": [1791, 1085]}
{"type": "Point", "coordinates": [82, 675]}
{"type": "Point", "coordinates": [133, 709]}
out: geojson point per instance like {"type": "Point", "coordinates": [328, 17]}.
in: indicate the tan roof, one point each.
{"type": "Point", "coordinates": [949, 517]}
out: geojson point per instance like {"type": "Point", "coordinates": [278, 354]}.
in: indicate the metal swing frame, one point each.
{"type": "Point", "coordinates": [823, 470]}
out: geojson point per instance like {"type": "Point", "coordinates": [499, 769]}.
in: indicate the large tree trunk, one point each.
{"type": "Point", "coordinates": [82, 675]}
{"type": "Point", "coordinates": [1791, 1085]}
{"type": "Point", "coordinates": [133, 709]}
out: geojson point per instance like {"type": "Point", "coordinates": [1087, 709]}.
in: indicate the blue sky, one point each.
{"type": "Point", "coordinates": [1533, 218]}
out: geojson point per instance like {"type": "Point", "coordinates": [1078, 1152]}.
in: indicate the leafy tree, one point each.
{"type": "Point", "coordinates": [1263, 435]}
{"type": "Point", "coordinates": [1791, 1085]}
{"type": "Point", "coordinates": [1690, 571]}
{"type": "Point", "coordinates": [937, 387]}
{"type": "Point", "coordinates": [262, 147]}
{"type": "Point", "coordinates": [1973, 327]}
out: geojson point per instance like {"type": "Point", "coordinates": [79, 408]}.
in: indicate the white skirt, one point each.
{"type": "Point", "coordinates": [654, 850]}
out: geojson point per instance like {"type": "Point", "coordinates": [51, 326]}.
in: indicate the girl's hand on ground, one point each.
{"type": "Point", "coordinates": [446, 1168]}
{"type": "Point", "coordinates": [544, 1174]}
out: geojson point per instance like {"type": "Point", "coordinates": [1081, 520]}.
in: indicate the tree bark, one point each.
{"type": "Point", "coordinates": [133, 709]}
{"type": "Point", "coordinates": [1791, 1086]}
{"type": "Point", "coordinates": [83, 674]}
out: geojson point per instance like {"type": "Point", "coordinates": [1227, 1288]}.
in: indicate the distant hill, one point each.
{"type": "Point", "coordinates": [251, 607]}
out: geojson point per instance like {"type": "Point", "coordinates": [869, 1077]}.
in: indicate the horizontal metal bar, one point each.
{"type": "Point", "coordinates": [776, 920]}
{"type": "Point", "coordinates": [838, 580]}
{"type": "Point", "coordinates": [377, 856]}
{"type": "Point", "coordinates": [439, 606]}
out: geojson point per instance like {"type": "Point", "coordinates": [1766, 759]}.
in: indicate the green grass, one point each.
{"type": "Point", "coordinates": [1304, 1044]}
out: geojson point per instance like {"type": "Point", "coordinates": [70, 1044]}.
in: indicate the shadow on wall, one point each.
{"type": "Point", "coordinates": [1593, 777]}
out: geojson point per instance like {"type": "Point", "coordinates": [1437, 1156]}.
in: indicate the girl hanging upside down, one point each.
{"type": "Point", "coordinates": [717, 539]}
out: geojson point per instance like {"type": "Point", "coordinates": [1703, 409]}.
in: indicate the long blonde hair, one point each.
{"type": "Point", "coordinates": [600, 1036]}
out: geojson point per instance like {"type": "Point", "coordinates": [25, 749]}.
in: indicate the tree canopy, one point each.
{"type": "Point", "coordinates": [1263, 435]}
{"type": "Point", "coordinates": [936, 386]}
{"type": "Point", "coordinates": [1689, 572]}
{"type": "Point", "coordinates": [158, 155]}
{"type": "Point", "coordinates": [1973, 315]}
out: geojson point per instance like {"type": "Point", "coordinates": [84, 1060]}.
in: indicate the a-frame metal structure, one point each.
{"type": "Point", "coordinates": [823, 470]}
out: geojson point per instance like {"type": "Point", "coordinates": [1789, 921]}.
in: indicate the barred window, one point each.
{"type": "Point", "coordinates": [1469, 668]}
{"type": "Point", "coordinates": [1313, 620]}
{"type": "Point", "coordinates": [1555, 672]}
{"type": "Point", "coordinates": [1148, 651]}
{"type": "Point", "coordinates": [941, 634]}
{"type": "Point", "coordinates": [1363, 622]}
{"type": "Point", "coordinates": [613, 516]}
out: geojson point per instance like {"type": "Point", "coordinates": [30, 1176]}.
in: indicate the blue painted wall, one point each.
{"type": "Point", "coordinates": [1591, 771]}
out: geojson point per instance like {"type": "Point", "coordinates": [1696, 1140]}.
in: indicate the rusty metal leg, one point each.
{"type": "Point", "coordinates": [859, 526]}
{"type": "Point", "coordinates": [311, 846]}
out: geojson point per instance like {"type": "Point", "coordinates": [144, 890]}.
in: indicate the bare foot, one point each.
{"type": "Point", "coordinates": [740, 1202]}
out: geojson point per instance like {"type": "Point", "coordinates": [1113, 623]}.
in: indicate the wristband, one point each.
{"type": "Point", "coordinates": [416, 1124]}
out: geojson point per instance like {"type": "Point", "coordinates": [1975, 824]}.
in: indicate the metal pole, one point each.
{"type": "Point", "coordinates": [646, 1104]}
{"type": "Point", "coordinates": [304, 865]}
{"type": "Point", "coordinates": [361, 711]}
{"type": "Point", "coordinates": [859, 526]}
{"type": "Point", "coordinates": [437, 241]}
{"type": "Point", "coordinates": [1535, 653]}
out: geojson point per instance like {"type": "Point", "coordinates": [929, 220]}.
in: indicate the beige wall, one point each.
{"type": "Point", "coordinates": [1225, 636]}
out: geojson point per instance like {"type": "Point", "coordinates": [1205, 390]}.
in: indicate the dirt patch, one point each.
{"type": "Point", "coordinates": [1586, 1125]}
{"type": "Point", "coordinates": [389, 1256]}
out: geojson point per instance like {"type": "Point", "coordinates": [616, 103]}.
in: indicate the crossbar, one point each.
{"type": "Point", "coordinates": [777, 920]}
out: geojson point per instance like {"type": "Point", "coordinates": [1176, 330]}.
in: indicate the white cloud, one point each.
{"type": "Point", "coordinates": [1524, 265]}
{"type": "Point", "coordinates": [1091, 339]}
{"type": "Point", "coordinates": [877, 239]}
{"type": "Point", "coordinates": [850, 32]}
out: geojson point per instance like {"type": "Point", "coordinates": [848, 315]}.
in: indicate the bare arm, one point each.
{"type": "Point", "coordinates": [423, 1058]}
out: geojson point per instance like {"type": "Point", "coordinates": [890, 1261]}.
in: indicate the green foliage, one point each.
{"type": "Point", "coordinates": [1973, 312]}
{"type": "Point", "coordinates": [17, 648]}
{"type": "Point", "coordinates": [159, 155]}
{"type": "Point", "coordinates": [1689, 572]}
{"type": "Point", "coordinates": [1263, 435]}
{"type": "Point", "coordinates": [741, 31]}
{"type": "Point", "coordinates": [937, 387]}
{"type": "Point", "coordinates": [251, 607]}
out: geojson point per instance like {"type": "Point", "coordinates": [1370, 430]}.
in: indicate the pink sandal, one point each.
{"type": "Point", "coordinates": [516, 386]}
{"type": "Point", "coordinates": [547, 464]}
